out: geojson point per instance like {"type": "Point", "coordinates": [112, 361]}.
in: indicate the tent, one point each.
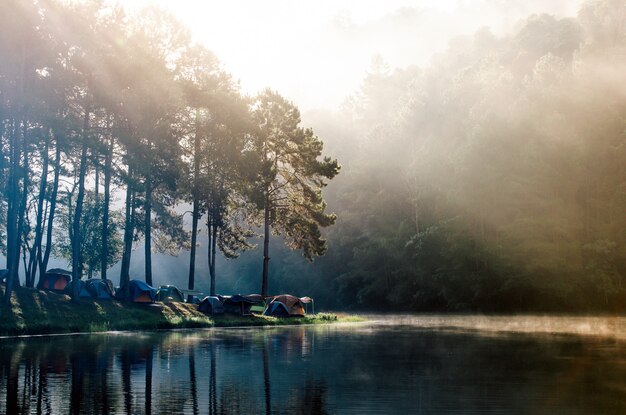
{"type": "Point", "coordinates": [289, 306]}
{"type": "Point", "coordinates": [240, 304]}
{"type": "Point", "coordinates": [168, 293]}
{"type": "Point", "coordinates": [100, 289]}
{"type": "Point", "coordinates": [276, 309]}
{"type": "Point", "coordinates": [258, 305]}
{"type": "Point", "coordinates": [83, 291]}
{"type": "Point", "coordinates": [211, 305]}
{"type": "Point", "coordinates": [137, 292]}
{"type": "Point", "coordinates": [56, 279]}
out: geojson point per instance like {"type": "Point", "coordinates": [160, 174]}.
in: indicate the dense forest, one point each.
{"type": "Point", "coordinates": [493, 179]}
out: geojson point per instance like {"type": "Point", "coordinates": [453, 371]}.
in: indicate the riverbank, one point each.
{"type": "Point", "coordinates": [43, 312]}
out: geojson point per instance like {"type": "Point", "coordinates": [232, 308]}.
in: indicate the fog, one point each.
{"type": "Point", "coordinates": [317, 53]}
{"type": "Point", "coordinates": [481, 145]}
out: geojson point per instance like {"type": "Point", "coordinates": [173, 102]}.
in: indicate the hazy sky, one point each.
{"type": "Point", "coordinates": [316, 52]}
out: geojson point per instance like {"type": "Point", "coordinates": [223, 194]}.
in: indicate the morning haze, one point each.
{"type": "Point", "coordinates": [452, 173]}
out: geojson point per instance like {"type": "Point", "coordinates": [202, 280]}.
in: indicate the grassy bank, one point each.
{"type": "Point", "coordinates": [41, 312]}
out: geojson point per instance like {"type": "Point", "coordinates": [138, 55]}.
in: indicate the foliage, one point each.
{"type": "Point", "coordinates": [290, 177]}
{"type": "Point", "coordinates": [91, 235]}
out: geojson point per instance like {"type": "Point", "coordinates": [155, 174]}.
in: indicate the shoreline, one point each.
{"type": "Point", "coordinates": [41, 313]}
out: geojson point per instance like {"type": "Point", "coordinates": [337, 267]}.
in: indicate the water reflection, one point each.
{"type": "Point", "coordinates": [313, 370]}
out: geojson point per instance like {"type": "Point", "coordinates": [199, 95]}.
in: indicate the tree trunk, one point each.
{"type": "Point", "coordinates": [266, 249]}
{"type": "Point", "coordinates": [148, 229]}
{"type": "Point", "coordinates": [148, 219]}
{"type": "Point", "coordinates": [96, 185]}
{"type": "Point", "coordinates": [105, 211]}
{"type": "Point", "coordinates": [209, 246]}
{"type": "Point", "coordinates": [195, 213]}
{"type": "Point", "coordinates": [43, 266]}
{"type": "Point", "coordinates": [36, 251]}
{"type": "Point", "coordinates": [128, 231]}
{"type": "Point", "coordinates": [212, 229]}
{"type": "Point", "coordinates": [192, 255]}
{"type": "Point", "coordinates": [12, 194]}
{"type": "Point", "coordinates": [76, 241]}
{"type": "Point", "coordinates": [22, 208]}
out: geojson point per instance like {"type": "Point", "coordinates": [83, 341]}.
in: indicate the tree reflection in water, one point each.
{"type": "Point", "coordinates": [311, 370]}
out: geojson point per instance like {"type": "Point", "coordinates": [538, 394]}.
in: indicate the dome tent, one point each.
{"type": "Point", "coordinates": [137, 292]}
{"type": "Point", "coordinates": [240, 304]}
{"type": "Point", "coordinates": [83, 292]}
{"type": "Point", "coordinates": [286, 305]}
{"type": "Point", "coordinates": [55, 279]}
{"type": "Point", "coordinates": [168, 293]}
{"type": "Point", "coordinates": [100, 289]}
{"type": "Point", "coordinates": [211, 305]}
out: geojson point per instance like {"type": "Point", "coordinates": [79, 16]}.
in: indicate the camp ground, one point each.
{"type": "Point", "coordinates": [283, 305]}
{"type": "Point", "coordinates": [136, 291]}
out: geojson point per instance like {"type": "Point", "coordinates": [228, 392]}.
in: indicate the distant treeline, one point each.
{"type": "Point", "coordinates": [98, 106]}
{"type": "Point", "coordinates": [494, 179]}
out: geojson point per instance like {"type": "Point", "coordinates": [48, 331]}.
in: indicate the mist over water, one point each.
{"type": "Point", "coordinates": [594, 326]}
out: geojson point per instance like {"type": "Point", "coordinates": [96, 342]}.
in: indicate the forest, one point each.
{"type": "Point", "coordinates": [96, 103]}
{"type": "Point", "coordinates": [492, 179]}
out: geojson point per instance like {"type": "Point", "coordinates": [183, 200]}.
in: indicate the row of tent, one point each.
{"type": "Point", "coordinates": [283, 305]}
{"type": "Point", "coordinates": [137, 291]}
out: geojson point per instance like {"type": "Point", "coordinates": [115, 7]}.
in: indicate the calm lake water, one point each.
{"type": "Point", "coordinates": [396, 365]}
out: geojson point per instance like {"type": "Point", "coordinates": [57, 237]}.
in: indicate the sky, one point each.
{"type": "Point", "coordinates": [316, 52]}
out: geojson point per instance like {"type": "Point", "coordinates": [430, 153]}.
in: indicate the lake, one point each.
{"type": "Point", "coordinates": [390, 364]}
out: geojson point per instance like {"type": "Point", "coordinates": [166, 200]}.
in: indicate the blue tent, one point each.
{"type": "Point", "coordinates": [137, 292]}
{"type": "Point", "coordinates": [100, 289]}
{"type": "Point", "coordinates": [276, 309]}
{"type": "Point", "coordinates": [83, 292]}
{"type": "Point", "coordinates": [211, 305]}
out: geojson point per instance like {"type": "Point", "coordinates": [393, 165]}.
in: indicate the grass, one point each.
{"type": "Point", "coordinates": [43, 312]}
